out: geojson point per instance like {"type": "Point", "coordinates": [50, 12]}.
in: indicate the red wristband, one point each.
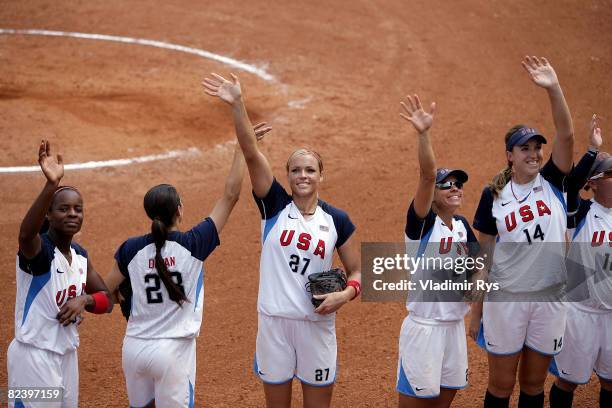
{"type": "Point", "coordinates": [356, 285]}
{"type": "Point", "coordinates": [101, 302]}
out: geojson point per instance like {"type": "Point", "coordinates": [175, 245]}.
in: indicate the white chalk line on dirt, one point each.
{"type": "Point", "coordinates": [109, 163]}
{"type": "Point", "coordinates": [140, 41]}
{"type": "Point", "coordinates": [151, 43]}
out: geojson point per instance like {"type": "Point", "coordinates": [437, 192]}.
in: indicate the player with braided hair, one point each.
{"type": "Point", "coordinates": [299, 234]}
{"type": "Point", "coordinates": [56, 282]}
{"type": "Point", "coordinates": [160, 277]}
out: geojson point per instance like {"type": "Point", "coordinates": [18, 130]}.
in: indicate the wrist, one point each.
{"type": "Point", "coordinates": [593, 149]}
{"type": "Point", "coordinates": [356, 287]}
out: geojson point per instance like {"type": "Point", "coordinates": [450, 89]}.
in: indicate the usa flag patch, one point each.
{"type": "Point", "coordinates": [324, 228]}
{"type": "Point", "coordinates": [538, 189]}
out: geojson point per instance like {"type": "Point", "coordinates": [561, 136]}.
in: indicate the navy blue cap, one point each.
{"type": "Point", "coordinates": [521, 136]}
{"type": "Point", "coordinates": [443, 173]}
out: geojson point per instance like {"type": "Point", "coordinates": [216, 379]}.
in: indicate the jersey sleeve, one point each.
{"type": "Point", "coordinates": [275, 200]}
{"type": "Point", "coordinates": [577, 218]}
{"type": "Point", "coordinates": [577, 179]}
{"type": "Point", "coordinates": [416, 227]}
{"type": "Point", "coordinates": [344, 225]}
{"type": "Point", "coordinates": [484, 220]}
{"type": "Point", "coordinates": [123, 258]}
{"type": "Point", "coordinates": [553, 175]}
{"type": "Point", "coordinates": [41, 262]}
{"type": "Point", "coordinates": [202, 239]}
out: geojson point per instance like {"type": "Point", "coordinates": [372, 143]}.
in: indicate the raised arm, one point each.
{"type": "Point", "coordinates": [231, 93]}
{"type": "Point", "coordinates": [578, 177]}
{"type": "Point", "coordinates": [233, 184]}
{"type": "Point", "coordinates": [543, 75]}
{"type": "Point", "coordinates": [53, 169]}
{"type": "Point", "coordinates": [422, 121]}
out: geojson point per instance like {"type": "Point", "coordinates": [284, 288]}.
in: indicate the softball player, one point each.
{"type": "Point", "coordinates": [161, 276]}
{"type": "Point", "coordinates": [56, 282]}
{"type": "Point", "coordinates": [299, 234]}
{"type": "Point", "coordinates": [432, 363]}
{"type": "Point", "coordinates": [524, 211]}
{"type": "Point", "coordinates": [587, 343]}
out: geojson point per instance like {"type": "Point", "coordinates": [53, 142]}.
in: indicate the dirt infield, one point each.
{"type": "Point", "coordinates": [341, 68]}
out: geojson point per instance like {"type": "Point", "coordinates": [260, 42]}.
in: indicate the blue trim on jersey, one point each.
{"type": "Point", "coordinates": [601, 376]}
{"type": "Point", "coordinates": [453, 388]}
{"type": "Point", "coordinates": [269, 224]}
{"type": "Point", "coordinates": [423, 243]}
{"type": "Point", "coordinates": [19, 404]}
{"type": "Point", "coordinates": [320, 385]}
{"type": "Point", "coordinates": [480, 340]}
{"type": "Point", "coordinates": [403, 385]}
{"type": "Point", "coordinates": [553, 369]}
{"type": "Point", "coordinates": [256, 372]}
{"type": "Point", "coordinates": [541, 352]}
{"type": "Point", "coordinates": [145, 405]}
{"type": "Point", "coordinates": [559, 195]}
{"type": "Point", "coordinates": [191, 397]}
{"type": "Point", "coordinates": [199, 288]}
{"type": "Point", "coordinates": [37, 284]}
{"type": "Point", "coordinates": [579, 227]}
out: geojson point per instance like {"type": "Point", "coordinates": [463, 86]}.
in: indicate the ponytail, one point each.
{"type": "Point", "coordinates": [500, 180]}
{"type": "Point", "coordinates": [161, 204]}
{"type": "Point", "coordinates": [160, 234]}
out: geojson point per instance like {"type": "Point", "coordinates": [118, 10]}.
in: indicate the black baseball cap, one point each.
{"type": "Point", "coordinates": [443, 173]}
{"type": "Point", "coordinates": [521, 136]}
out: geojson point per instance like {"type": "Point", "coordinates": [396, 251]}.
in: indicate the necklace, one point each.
{"type": "Point", "coordinates": [515, 197]}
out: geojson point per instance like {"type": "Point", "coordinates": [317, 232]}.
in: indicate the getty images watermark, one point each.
{"type": "Point", "coordinates": [445, 272]}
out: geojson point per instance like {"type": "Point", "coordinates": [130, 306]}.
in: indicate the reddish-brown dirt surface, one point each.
{"type": "Point", "coordinates": [341, 69]}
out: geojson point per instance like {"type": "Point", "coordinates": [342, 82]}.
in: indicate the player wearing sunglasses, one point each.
{"type": "Point", "coordinates": [432, 362]}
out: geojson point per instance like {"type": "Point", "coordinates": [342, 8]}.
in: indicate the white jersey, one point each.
{"type": "Point", "coordinates": [590, 257]}
{"type": "Point", "coordinates": [431, 238]}
{"type": "Point", "coordinates": [150, 311]}
{"type": "Point", "coordinates": [530, 223]}
{"type": "Point", "coordinates": [44, 284]}
{"type": "Point", "coordinates": [293, 247]}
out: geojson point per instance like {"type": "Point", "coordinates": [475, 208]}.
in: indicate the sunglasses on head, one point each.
{"type": "Point", "coordinates": [603, 175]}
{"type": "Point", "coordinates": [447, 185]}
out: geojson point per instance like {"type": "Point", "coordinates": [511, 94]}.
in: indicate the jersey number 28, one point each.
{"type": "Point", "coordinates": [154, 294]}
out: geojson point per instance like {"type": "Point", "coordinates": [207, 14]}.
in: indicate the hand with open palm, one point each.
{"type": "Point", "coordinates": [52, 167]}
{"type": "Point", "coordinates": [540, 71]}
{"type": "Point", "coordinates": [414, 113]}
{"type": "Point", "coordinates": [227, 91]}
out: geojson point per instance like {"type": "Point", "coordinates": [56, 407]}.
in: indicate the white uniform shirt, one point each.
{"type": "Point", "coordinates": [431, 238]}
{"type": "Point", "coordinates": [293, 247]}
{"type": "Point", "coordinates": [44, 284]}
{"type": "Point", "coordinates": [590, 257]}
{"type": "Point", "coordinates": [150, 311]}
{"type": "Point", "coordinates": [530, 224]}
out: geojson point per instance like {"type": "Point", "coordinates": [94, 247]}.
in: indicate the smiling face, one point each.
{"type": "Point", "coordinates": [304, 174]}
{"type": "Point", "coordinates": [66, 212]}
{"type": "Point", "coordinates": [449, 199]}
{"type": "Point", "coordinates": [526, 159]}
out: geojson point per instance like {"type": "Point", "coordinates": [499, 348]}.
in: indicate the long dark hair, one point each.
{"type": "Point", "coordinates": [161, 204]}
